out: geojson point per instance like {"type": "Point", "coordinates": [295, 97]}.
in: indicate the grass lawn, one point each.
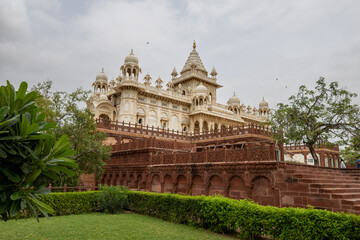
{"type": "Point", "coordinates": [101, 226]}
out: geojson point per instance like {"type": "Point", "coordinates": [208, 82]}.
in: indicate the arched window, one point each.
{"type": "Point", "coordinates": [129, 72]}
{"type": "Point", "coordinates": [216, 128]}
{"type": "Point", "coordinates": [205, 127]}
{"type": "Point", "coordinates": [183, 92]}
{"type": "Point", "coordinates": [210, 97]}
{"type": "Point", "coordinates": [184, 129]}
{"type": "Point", "coordinates": [104, 118]}
{"type": "Point", "coordinates": [196, 127]}
{"type": "Point", "coordinates": [140, 121]}
{"type": "Point", "coordinates": [200, 101]}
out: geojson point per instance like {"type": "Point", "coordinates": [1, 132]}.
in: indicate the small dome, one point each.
{"type": "Point", "coordinates": [101, 76]}
{"type": "Point", "coordinates": [103, 97]}
{"type": "Point", "coordinates": [263, 104]}
{"type": "Point", "coordinates": [234, 100]}
{"type": "Point", "coordinates": [131, 58]}
{"type": "Point", "coordinates": [201, 89]}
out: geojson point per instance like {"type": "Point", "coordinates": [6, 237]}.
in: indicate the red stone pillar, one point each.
{"type": "Point", "coordinates": [282, 158]}
{"type": "Point", "coordinates": [322, 159]}
{"type": "Point", "coordinates": [272, 151]}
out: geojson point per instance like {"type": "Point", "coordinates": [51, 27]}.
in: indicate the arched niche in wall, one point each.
{"type": "Point", "coordinates": [152, 119]}
{"type": "Point", "coordinates": [174, 123]}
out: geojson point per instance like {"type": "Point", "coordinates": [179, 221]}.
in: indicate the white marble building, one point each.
{"type": "Point", "coordinates": [186, 103]}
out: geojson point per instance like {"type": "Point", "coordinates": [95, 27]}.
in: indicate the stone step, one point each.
{"type": "Point", "coordinates": [335, 181]}
{"type": "Point", "coordinates": [353, 201]}
{"type": "Point", "coordinates": [334, 185]}
{"type": "Point", "coordinates": [320, 173]}
{"type": "Point", "coordinates": [341, 190]}
{"type": "Point", "coordinates": [320, 177]}
{"type": "Point", "coordinates": [346, 195]}
{"type": "Point", "coordinates": [357, 207]}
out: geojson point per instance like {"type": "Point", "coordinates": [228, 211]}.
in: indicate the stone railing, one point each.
{"type": "Point", "coordinates": [144, 143]}
{"type": "Point", "coordinates": [181, 135]}
{"type": "Point", "coordinates": [295, 146]}
{"type": "Point", "coordinates": [163, 156]}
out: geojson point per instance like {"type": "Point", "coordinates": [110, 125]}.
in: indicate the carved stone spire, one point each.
{"type": "Point", "coordinates": [174, 73]}
{"type": "Point", "coordinates": [213, 72]}
{"type": "Point", "coordinates": [159, 82]}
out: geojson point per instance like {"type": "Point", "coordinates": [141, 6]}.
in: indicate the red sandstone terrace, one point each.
{"type": "Point", "coordinates": [238, 162]}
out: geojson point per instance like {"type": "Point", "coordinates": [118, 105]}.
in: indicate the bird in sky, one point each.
{"type": "Point", "coordinates": [147, 43]}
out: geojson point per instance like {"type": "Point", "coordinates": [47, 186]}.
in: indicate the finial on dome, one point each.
{"type": "Point", "coordinates": [102, 70]}
{"type": "Point", "coordinates": [132, 52]}
{"type": "Point", "coordinates": [194, 45]}
{"type": "Point", "coordinates": [213, 72]}
{"type": "Point", "coordinates": [174, 73]}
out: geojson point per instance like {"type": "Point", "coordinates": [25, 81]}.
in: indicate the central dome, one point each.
{"type": "Point", "coordinates": [194, 61]}
{"type": "Point", "coordinates": [131, 58]}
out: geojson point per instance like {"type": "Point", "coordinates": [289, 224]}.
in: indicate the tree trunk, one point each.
{"type": "Point", "coordinates": [313, 154]}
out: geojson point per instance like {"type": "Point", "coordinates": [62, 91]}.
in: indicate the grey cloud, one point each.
{"type": "Point", "coordinates": [14, 21]}
{"type": "Point", "coordinates": [249, 43]}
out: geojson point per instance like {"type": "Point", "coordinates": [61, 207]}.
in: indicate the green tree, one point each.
{"type": "Point", "coordinates": [28, 156]}
{"type": "Point", "coordinates": [323, 114]}
{"type": "Point", "coordinates": [64, 108]}
{"type": "Point", "coordinates": [349, 155]}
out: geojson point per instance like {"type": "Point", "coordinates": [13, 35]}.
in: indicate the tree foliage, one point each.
{"type": "Point", "coordinates": [349, 155]}
{"type": "Point", "coordinates": [324, 114]}
{"type": "Point", "coordinates": [28, 156]}
{"type": "Point", "coordinates": [64, 108]}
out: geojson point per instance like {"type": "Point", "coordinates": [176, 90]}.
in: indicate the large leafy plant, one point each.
{"type": "Point", "coordinates": [28, 156]}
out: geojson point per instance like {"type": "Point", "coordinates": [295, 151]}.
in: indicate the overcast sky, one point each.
{"type": "Point", "coordinates": [250, 43]}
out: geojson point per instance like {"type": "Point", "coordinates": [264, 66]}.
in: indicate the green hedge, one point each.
{"type": "Point", "coordinates": [226, 215]}
{"type": "Point", "coordinates": [223, 215]}
{"type": "Point", "coordinates": [71, 202]}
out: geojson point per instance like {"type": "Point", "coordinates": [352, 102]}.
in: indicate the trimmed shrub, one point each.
{"type": "Point", "coordinates": [112, 199]}
{"type": "Point", "coordinates": [224, 215]}
{"type": "Point", "coordinates": [71, 202]}
{"type": "Point", "coordinates": [217, 213]}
